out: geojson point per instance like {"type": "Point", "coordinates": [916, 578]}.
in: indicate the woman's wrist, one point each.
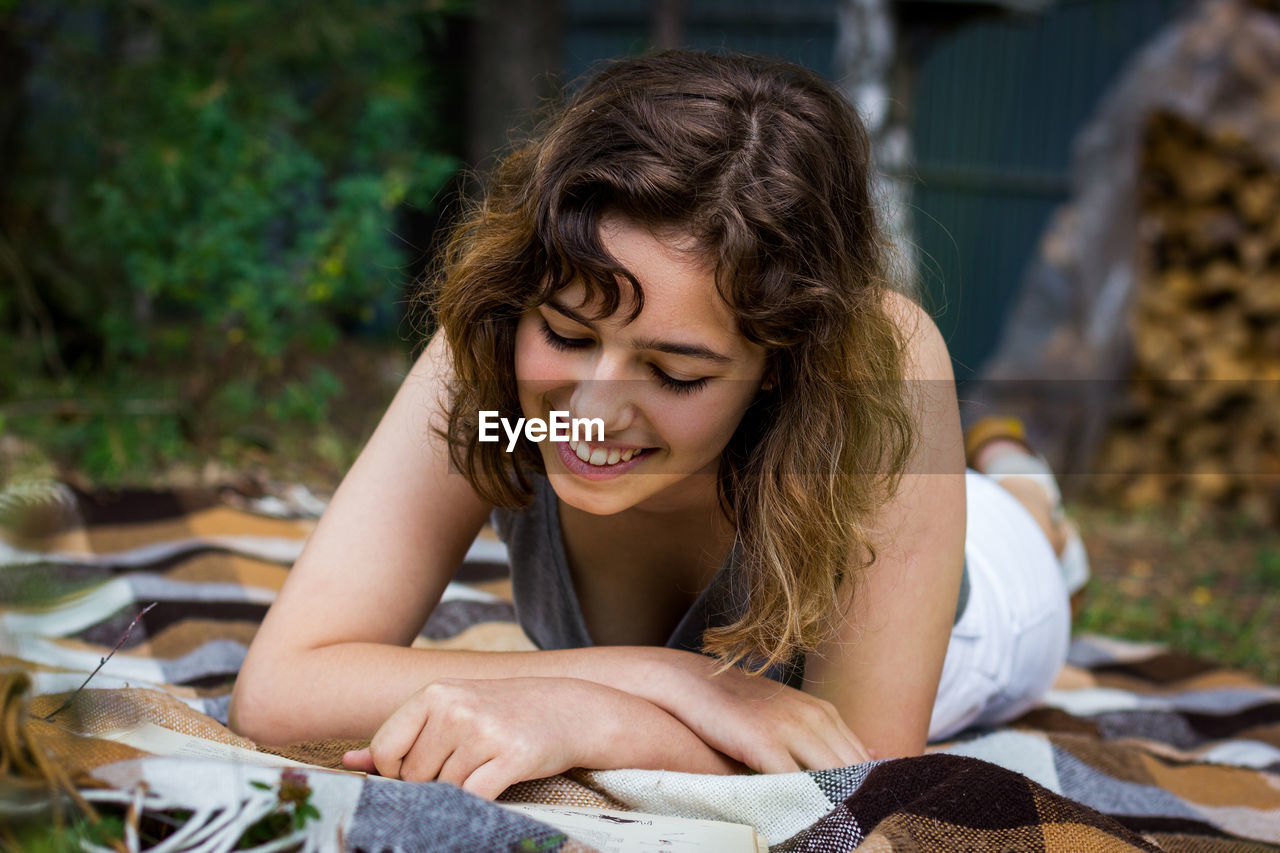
{"type": "Point", "coordinates": [633, 732]}
{"type": "Point", "coordinates": [665, 676]}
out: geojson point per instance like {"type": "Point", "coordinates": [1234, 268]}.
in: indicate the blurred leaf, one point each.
{"type": "Point", "coordinates": [209, 189]}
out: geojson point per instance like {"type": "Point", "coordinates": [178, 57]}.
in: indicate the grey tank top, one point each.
{"type": "Point", "coordinates": [547, 605]}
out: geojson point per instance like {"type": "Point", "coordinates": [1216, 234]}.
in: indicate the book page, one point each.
{"type": "Point", "coordinates": [611, 831]}
{"type": "Point", "coordinates": [158, 740]}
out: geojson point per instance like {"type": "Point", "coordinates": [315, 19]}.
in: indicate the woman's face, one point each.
{"type": "Point", "coordinates": [670, 387]}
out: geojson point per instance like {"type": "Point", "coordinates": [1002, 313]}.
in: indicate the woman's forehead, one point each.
{"type": "Point", "coordinates": [676, 279]}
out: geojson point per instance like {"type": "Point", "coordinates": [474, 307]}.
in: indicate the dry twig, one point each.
{"type": "Point", "coordinates": [101, 663]}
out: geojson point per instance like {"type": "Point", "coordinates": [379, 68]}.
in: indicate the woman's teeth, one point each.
{"type": "Point", "coordinates": [600, 456]}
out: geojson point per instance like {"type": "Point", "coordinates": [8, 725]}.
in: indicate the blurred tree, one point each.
{"type": "Point", "coordinates": [195, 194]}
{"type": "Point", "coordinates": [867, 64]}
{"type": "Point", "coordinates": [515, 64]}
{"type": "Point", "coordinates": [668, 23]}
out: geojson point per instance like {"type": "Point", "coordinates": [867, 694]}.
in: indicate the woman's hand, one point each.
{"type": "Point", "coordinates": [765, 725]}
{"type": "Point", "coordinates": [484, 735]}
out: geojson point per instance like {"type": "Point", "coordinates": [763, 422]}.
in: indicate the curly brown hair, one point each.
{"type": "Point", "coordinates": [766, 167]}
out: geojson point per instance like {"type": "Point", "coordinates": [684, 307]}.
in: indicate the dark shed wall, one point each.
{"type": "Point", "coordinates": [802, 31]}
{"type": "Point", "coordinates": [997, 106]}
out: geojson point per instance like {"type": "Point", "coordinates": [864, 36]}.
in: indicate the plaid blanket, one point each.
{"type": "Point", "coordinates": [1136, 748]}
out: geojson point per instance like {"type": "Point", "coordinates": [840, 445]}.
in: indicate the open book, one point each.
{"type": "Point", "coordinates": [158, 740]}
{"type": "Point", "coordinates": [612, 831]}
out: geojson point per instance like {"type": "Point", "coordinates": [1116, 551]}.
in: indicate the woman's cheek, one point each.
{"type": "Point", "coordinates": [545, 380]}
{"type": "Point", "coordinates": [732, 407]}
{"type": "Point", "coordinates": [698, 426]}
{"type": "Point", "coordinates": [537, 365]}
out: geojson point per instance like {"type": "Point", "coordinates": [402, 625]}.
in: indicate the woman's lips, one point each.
{"type": "Point", "coordinates": [586, 470]}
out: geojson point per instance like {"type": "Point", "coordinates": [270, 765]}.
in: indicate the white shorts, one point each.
{"type": "Point", "coordinates": [1011, 641]}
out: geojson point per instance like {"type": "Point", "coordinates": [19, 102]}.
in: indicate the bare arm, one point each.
{"type": "Point", "coordinates": [484, 735]}
{"type": "Point", "coordinates": [370, 574]}
{"type": "Point", "coordinates": [881, 670]}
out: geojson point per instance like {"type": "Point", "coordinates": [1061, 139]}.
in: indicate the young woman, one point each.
{"type": "Point", "coordinates": [774, 559]}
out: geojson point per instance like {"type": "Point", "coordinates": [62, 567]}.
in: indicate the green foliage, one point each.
{"type": "Point", "coordinates": [45, 837]}
{"type": "Point", "coordinates": [205, 192]}
{"type": "Point", "coordinates": [37, 585]}
{"type": "Point", "coordinates": [293, 811]}
{"type": "Point", "coordinates": [1266, 574]}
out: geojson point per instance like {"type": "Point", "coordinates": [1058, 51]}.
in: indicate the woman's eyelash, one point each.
{"type": "Point", "coordinates": [678, 386]}
{"type": "Point", "coordinates": [560, 342]}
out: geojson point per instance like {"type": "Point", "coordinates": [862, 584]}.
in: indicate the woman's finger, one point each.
{"type": "Point", "coordinates": [812, 752]}
{"type": "Point", "coordinates": [359, 760]}
{"type": "Point", "coordinates": [772, 758]}
{"type": "Point", "coordinates": [857, 751]}
{"type": "Point", "coordinates": [825, 722]}
{"type": "Point", "coordinates": [396, 737]}
{"type": "Point", "coordinates": [846, 744]}
{"type": "Point", "coordinates": [460, 764]}
{"type": "Point", "coordinates": [430, 753]}
{"type": "Point", "coordinates": [490, 779]}
{"type": "Point", "coordinates": [389, 746]}
{"type": "Point", "coordinates": [850, 752]}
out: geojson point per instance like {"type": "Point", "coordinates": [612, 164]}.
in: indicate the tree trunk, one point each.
{"type": "Point", "coordinates": [870, 77]}
{"type": "Point", "coordinates": [515, 62]}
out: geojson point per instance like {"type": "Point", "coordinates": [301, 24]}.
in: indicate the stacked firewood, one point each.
{"type": "Point", "coordinates": [1203, 420]}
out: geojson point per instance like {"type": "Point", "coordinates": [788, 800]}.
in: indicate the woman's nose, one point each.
{"type": "Point", "coordinates": [607, 393]}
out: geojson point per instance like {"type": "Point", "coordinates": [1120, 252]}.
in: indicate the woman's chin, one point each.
{"type": "Point", "coordinates": [655, 493]}
{"type": "Point", "coordinates": [591, 504]}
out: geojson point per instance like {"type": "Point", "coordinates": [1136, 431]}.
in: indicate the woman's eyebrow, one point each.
{"type": "Point", "coordinates": [691, 350]}
{"type": "Point", "coordinates": [671, 347]}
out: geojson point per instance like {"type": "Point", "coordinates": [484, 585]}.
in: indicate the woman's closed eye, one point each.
{"type": "Point", "coordinates": [679, 386]}
{"type": "Point", "coordinates": [560, 342]}
{"type": "Point", "coordinates": [667, 381]}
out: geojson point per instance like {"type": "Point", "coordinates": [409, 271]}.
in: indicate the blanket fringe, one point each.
{"type": "Point", "coordinates": [33, 776]}
{"type": "Point", "coordinates": [24, 766]}
{"type": "Point", "coordinates": [215, 829]}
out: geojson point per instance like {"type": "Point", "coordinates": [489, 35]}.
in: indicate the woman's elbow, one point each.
{"type": "Point", "coordinates": [244, 714]}
{"type": "Point", "coordinates": [255, 710]}
{"type": "Point", "coordinates": [897, 744]}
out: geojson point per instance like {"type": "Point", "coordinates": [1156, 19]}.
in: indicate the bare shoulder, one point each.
{"type": "Point", "coordinates": [926, 350]}
{"type": "Point", "coordinates": [894, 638]}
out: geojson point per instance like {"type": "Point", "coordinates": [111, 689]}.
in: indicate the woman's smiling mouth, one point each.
{"type": "Point", "coordinates": [600, 455]}
{"type": "Point", "coordinates": [599, 462]}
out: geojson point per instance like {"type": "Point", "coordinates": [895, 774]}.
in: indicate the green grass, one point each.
{"type": "Point", "coordinates": [1205, 584]}
{"type": "Point", "coordinates": [44, 837]}
{"type": "Point", "coordinates": [95, 440]}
